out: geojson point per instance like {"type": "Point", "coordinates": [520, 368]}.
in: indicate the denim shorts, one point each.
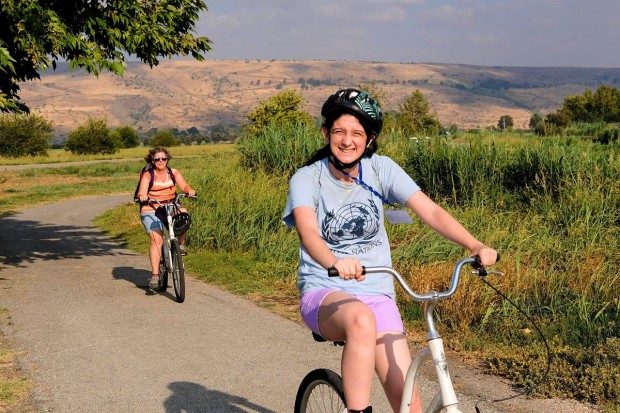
{"type": "Point", "coordinates": [151, 222]}
{"type": "Point", "coordinates": [382, 306]}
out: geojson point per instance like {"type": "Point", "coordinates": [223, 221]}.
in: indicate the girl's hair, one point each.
{"type": "Point", "coordinates": [328, 122]}
{"type": "Point", "coordinates": [149, 157]}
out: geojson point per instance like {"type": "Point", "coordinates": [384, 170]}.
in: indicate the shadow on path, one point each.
{"type": "Point", "coordinates": [23, 242]}
{"type": "Point", "coordinates": [189, 397]}
{"type": "Point", "coordinates": [140, 278]}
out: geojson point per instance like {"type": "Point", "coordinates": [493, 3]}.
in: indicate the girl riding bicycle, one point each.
{"type": "Point", "coordinates": [163, 188]}
{"type": "Point", "coordinates": [335, 203]}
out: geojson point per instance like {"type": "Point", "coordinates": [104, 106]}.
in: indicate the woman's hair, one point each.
{"type": "Point", "coordinates": [149, 157]}
{"type": "Point", "coordinates": [328, 122]}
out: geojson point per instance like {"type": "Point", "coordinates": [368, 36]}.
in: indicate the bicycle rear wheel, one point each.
{"type": "Point", "coordinates": [178, 271]}
{"type": "Point", "coordinates": [320, 391]}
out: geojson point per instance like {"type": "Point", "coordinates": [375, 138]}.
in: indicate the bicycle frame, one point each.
{"type": "Point", "coordinates": [169, 228]}
{"type": "Point", "coordinates": [446, 398]}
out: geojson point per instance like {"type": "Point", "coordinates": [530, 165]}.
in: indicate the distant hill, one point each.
{"type": "Point", "coordinates": [185, 94]}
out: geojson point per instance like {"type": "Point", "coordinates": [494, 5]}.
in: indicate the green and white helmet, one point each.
{"type": "Point", "coordinates": [359, 104]}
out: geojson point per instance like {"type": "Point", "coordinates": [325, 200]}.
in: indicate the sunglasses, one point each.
{"type": "Point", "coordinates": [160, 159]}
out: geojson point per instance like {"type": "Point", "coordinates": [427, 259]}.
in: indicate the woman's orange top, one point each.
{"type": "Point", "coordinates": [161, 190]}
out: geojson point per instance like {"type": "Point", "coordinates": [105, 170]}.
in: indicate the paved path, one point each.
{"type": "Point", "coordinates": [95, 340]}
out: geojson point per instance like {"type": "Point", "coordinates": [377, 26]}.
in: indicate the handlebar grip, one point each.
{"type": "Point", "coordinates": [333, 272]}
{"type": "Point", "coordinates": [477, 265]}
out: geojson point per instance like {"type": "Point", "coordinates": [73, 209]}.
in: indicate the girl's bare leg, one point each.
{"type": "Point", "coordinates": [344, 318]}
{"type": "Point", "coordinates": [392, 362]}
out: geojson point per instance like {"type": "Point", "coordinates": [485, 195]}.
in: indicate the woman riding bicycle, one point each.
{"type": "Point", "coordinates": [162, 188]}
{"type": "Point", "coordinates": [334, 202]}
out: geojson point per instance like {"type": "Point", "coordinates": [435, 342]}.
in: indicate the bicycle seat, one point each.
{"type": "Point", "coordinates": [322, 339]}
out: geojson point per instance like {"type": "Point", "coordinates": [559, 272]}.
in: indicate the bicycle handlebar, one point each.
{"type": "Point", "coordinates": [433, 296]}
{"type": "Point", "coordinates": [173, 200]}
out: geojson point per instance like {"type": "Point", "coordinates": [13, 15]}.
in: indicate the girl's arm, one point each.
{"type": "Point", "coordinates": [310, 237]}
{"type": "Point", "coordinates": [447, 226]}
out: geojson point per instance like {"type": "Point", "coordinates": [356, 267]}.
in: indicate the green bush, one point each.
{"type": "Point", "coordinates": [24, 135]}
{"type": "Point", "coordinates": [128, 136]}
{"type": "Point", "coordinates": [284, 108]}
{"type": "Point", "coordinates": [165, 138]}
{"type": "Point", "coordinates": [93, 137]}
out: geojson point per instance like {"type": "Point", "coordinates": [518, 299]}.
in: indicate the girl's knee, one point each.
{"type": "Point", "coordinates": [362, 325]}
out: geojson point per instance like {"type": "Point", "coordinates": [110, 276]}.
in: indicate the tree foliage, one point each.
{"type": "Point", "coordinates": [601, 105]}
{"type": "Point", "coordinates": [93, 35]}
{"type": "Point", "coordinates": [284, 108]}
{"type": "Point", "coordinates": [128, 136]}
{"type": "Point", "coordinates": [536, 120]}
{"type": "Point", "coordinates": [93, 137]}
{"type": "Point", "coordinates": [505, 122]}
{"type": "Point", "coordinates": [165, 138]}
{"type": "Point", "coordinates": [24, 135]}
{"type": "Point", "coordinates": [414, 116]}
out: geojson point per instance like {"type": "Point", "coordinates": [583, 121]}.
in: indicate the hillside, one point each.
{"type": "Point", "coordinates": [184, 94]}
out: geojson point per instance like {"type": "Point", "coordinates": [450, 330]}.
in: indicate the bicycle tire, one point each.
{"type": "Point", "coordinates": [163, 273]}
{"type": "Point", "coordinates": [178, 271]}
{"type": "Point", "coordinates": [320, 391]}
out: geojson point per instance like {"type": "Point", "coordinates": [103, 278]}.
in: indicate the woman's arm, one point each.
{"type": "Point", "coordinates": [182, 183]}
{"type": "Point", "coordinates": [144, 187]}
{"type": "Point", "coordinates": [447, 226]}
{"type": "Point", "coordinates": [310, 237]}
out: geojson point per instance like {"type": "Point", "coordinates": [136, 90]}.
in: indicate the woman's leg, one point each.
{"type": "Point", "coordinates": [155, 250]}
{"type": "Point", "coordinates": [392, 362]}
{"type": "Point", "coordinates": [344, 318]}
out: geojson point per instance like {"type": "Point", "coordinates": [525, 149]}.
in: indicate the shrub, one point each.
{"type": "Point", "coordinates": [128, 136]}
{"type": "Point", "coordinates": [414, 116]}
{"type": "Point", "coordinates": [24, 135]}
{"type": "Point", "coordinates": [284, 108]}
{"type": "Point", "coordinates": [166, 138]}
{"type": "Point", "coordinates": [93, 137]}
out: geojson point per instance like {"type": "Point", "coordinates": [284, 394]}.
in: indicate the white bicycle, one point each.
{"type": "Point", "coordinates": [321, 390]}
{"type": "Point", "coordinates": [171, 261]}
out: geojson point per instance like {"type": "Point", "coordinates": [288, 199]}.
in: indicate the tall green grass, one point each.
{"type": "Point", "coordinates": [550, 206]}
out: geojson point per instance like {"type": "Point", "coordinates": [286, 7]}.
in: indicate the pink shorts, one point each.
{"type": "Point", "coordinates": [382, 306]}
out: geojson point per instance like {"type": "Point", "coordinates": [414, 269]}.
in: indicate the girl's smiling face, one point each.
{"type": "Point", "coordinates": [347, 138]}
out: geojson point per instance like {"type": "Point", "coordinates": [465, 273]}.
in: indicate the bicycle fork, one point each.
{"type": "Point", "coordinates": [446, 397]}
{"type": "Point", "coordinates": [166, 251]}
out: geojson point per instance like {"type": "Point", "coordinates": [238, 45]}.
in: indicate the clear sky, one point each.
{"type": "Point", "coordinates": [576, 33]}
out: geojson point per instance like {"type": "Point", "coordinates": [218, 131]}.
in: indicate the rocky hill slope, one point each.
{"type": "Point", "coordinates": [184, 94]}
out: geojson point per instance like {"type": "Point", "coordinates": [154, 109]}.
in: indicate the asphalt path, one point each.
{"type": "Point", "coordinates": [95, 339]}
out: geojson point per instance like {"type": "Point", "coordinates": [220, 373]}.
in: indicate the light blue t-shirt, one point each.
{"type": "Point", "coordinates": [350, 220]}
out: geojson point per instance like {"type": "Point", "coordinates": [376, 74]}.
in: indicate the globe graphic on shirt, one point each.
{"type": "Point", "coordinates": [355, 221]}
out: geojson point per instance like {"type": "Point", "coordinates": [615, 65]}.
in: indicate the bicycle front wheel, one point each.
{"type": "Point", "coordinates": [320, 391]}
{"type": "Point", "coordinates": [178, 271]}
{"type": "Point", "coordinates": [163, 272]}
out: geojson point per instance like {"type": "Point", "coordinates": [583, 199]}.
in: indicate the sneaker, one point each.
{"type": "Point", "coordinates": [182, 249]}
{"type": "Point", "coordinates": [154, 281]}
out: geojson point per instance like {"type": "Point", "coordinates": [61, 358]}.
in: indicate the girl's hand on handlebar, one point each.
{"type": "Point", "coordinates": [488, 256]}
{"type": "Point", "coordinates": [143, 198]}
{"type": "Point", "coordinates": [350, 269]}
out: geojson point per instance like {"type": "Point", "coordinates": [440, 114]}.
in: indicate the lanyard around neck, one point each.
{"type": "Point", "coordinates": [363, 184]}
